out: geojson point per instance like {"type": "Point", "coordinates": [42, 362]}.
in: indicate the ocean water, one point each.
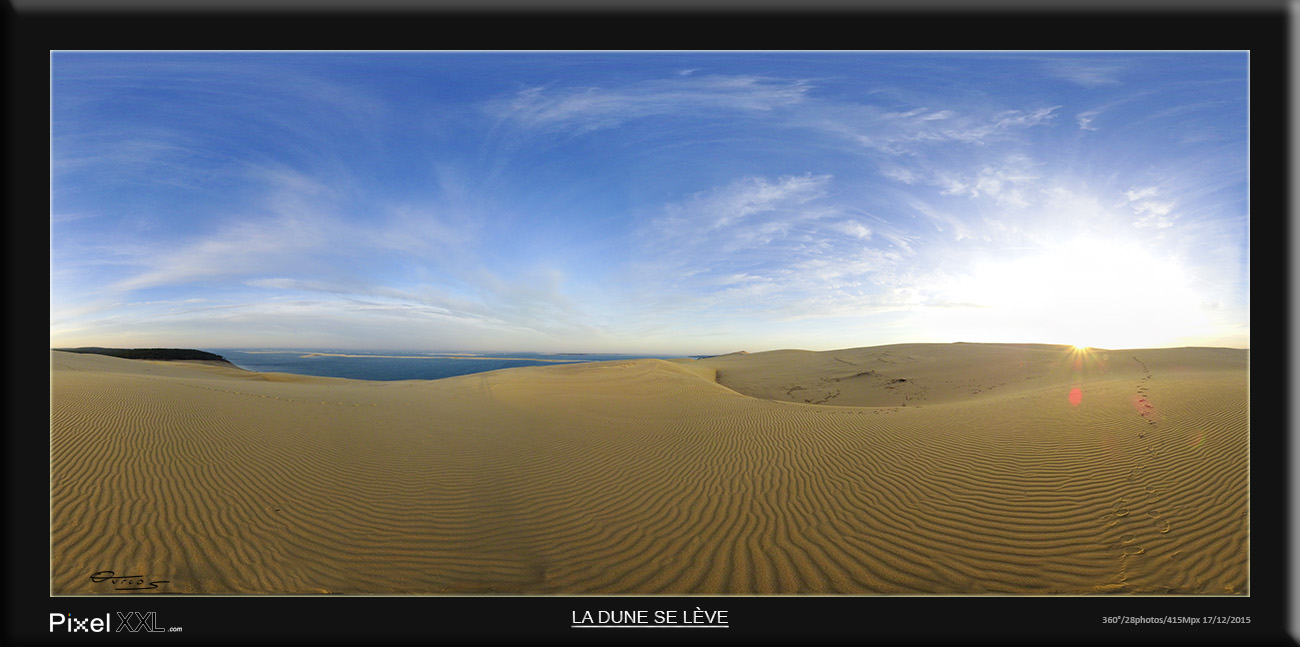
{"type": "Point", "coordinates": [397, 365]}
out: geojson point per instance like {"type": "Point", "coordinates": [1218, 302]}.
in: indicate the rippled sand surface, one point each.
{"type": "Point", "coordinates": [912, 469]}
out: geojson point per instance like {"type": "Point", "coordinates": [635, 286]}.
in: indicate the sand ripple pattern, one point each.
{"type": "Point", "coordinates": [640, 477]}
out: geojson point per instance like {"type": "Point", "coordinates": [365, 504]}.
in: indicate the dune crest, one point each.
{"type": "Point", "coordinates": [913, 469]}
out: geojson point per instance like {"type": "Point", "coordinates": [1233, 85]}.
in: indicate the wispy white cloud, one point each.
{"type": "Point", "coordinates": [742, 200]}
{"type": "Point", "coordinates": [1010, 182]}
{"type": "Point", "coordinates": [747, 226]}
{"type": "Point", "coordinates": [253, 112]}
{"type": "Point", "coordinates": [904, 133]}
{"type": "Point", "coordinates": [292, 220]}
{"type": "Point", "coordinates": [588, 109]}
{"type": "Point", "coordinates": [941, 220]}
{"type": "Point", "coordinates": [1086, 72]}
{"type": "Point", "coordinates": [772, 247]}
{"type": "Point", "coordinates": [853, 228]}
{"type": "Point", "coordinates": [1151, 212]}
{"type": "Point", "coordinates": [1085, 119]}
{"type": "Point", "coordinates": [301, 225]}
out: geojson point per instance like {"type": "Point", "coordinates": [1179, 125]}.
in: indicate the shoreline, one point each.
{"type": "Point", "coordinates": [516, 359]}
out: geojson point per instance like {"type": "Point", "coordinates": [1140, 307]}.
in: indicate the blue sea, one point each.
{"type": "Point", "coordinates": [397, 365]}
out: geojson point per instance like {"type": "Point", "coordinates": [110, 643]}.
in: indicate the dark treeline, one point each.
{"type": "Point", "coordinates": [149, 353]}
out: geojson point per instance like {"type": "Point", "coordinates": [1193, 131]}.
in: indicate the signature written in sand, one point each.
{"type": "Point", "coordinates": [125, 582]}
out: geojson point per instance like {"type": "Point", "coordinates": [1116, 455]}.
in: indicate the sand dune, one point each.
{"type": "Point", "coordinates": [910, 469]}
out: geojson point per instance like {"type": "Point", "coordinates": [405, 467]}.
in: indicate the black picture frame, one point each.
{"type": "Point", "coordinates": [34, 28]}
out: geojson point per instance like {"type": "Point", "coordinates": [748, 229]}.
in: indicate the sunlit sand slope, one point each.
{"type": "Point", "coordinates": [954, 469]}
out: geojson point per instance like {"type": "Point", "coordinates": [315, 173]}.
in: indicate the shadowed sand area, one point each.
{"type": "Point", "coordinates": [912, 469]}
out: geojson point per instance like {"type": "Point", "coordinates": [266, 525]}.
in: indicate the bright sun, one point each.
{"type": "Point", "coordinates": [1114, 293]}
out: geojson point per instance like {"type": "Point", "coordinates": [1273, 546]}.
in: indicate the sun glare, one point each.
{"type": "Point", "coordinates": [1115, 293]}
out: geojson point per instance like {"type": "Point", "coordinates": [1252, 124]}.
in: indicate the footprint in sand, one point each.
{"type": "Point", "coordinates": [1162, 525]}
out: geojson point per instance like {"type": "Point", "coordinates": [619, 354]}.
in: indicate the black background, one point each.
{"type": "Point", "coordinates": [859, 620]}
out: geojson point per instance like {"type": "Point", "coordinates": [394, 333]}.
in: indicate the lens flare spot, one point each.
{"type": "Point", "coordinates": [1076, 396]}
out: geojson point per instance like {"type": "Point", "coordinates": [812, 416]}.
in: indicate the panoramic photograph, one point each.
{"type": "Point", "coordinates": [724, 323]}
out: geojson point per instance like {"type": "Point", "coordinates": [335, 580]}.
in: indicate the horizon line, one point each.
{"type": "Point", "coordinates": [254, 348]}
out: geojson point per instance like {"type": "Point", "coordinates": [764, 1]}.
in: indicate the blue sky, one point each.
{"type": "Point", "coordinates": [691, 202]}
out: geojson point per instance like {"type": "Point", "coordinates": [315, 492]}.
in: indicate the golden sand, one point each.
{"type": "Point", "coordinates": [909, 469]}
